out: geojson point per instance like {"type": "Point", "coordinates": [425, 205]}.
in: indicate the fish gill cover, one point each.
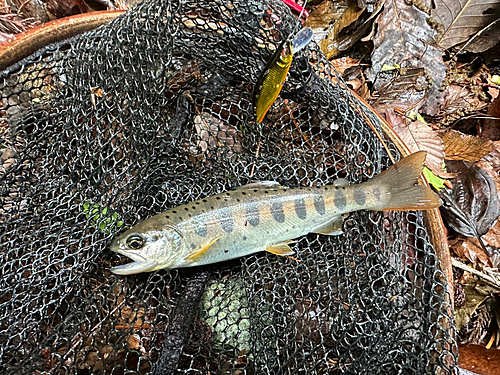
{"type": "Point", "coordinates": [155, 110]}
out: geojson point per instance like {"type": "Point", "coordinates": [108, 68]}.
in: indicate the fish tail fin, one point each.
{"type": "Point", "coordinates": [398, 187]}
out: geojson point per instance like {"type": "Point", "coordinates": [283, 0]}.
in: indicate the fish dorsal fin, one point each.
{"type": "Point", "coordinates": [261, 185]}
{"type": "Point", "coordinates": [340, 182]}
{"type": "Point", "coordinates": [199, 253]}
{"type": "Point", "coordinates": [330, 228]}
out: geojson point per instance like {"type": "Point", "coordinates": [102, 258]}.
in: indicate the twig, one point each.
{"type": "Point", "coordinates": [256, 156]}
{"type": "Point", "coordinates": [490, 280]}
{"type": "Point", "coordinates": [180, 322]}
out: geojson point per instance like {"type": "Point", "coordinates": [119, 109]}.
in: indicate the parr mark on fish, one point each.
{"type": "Point", "coordinates": [339, 199]}
{"type": "Point", "coordinates": [300, 208]}
{"type": "Point", "coordinates": [277, 210]}
{"type": "Point", "coordinates": [319, 202]}
{"type": "Point", "coordinates": [359, 196]}
{"type": "Point", "coordinates": [226, 219]}
{"type": "Point", "coordinates": [253, 214]}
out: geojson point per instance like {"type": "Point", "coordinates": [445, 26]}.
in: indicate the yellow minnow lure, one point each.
{"type": "Point", "coordinates": [272, 79]}
{"type": "Point", "coordinates": [274, 74]}
{"type": "Point", "coordinates": [264, 216]}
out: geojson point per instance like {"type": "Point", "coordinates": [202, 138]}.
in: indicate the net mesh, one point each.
{"type": "Point", "coordinates": [154, 110]}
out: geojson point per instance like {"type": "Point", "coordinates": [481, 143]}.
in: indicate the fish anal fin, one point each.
{"type": "Point", "coordinates": [280, 248]}
{"type": "Point", "coordinates": [261, 185]}
{"type": "Point", "coordinates": [341, 182]}
{"type": "Point", "coordinates": [331, 228]}
{"type": "Point", "coordinates": [198, 254]}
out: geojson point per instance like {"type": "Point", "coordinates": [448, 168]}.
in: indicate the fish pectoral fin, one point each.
{"type": "Point", "coordinates": [280, 248]}
{"type": "Point", "coordinates": [331, 228]}
{"type": "Point", "coordinates": [261, 185]}
{"type": "Point", "coordinates": [198, 254]}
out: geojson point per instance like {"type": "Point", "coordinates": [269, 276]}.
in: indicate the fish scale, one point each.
{"type": "Point", "coordinates": [252, 219]}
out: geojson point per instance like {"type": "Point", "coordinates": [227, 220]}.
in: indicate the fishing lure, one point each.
{"type": "Point", "coordinates": [274, 74]}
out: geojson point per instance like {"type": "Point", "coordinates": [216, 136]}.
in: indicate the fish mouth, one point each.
{"type": "Point", "coordinates": [139, 264]}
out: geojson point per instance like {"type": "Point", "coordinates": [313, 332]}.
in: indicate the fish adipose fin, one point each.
{"type": "Point", "coordinates": [280, 248]}
{"type": "Point", "coordinates": [398, 187]}
{"type": "Point", "coordinates": [197, 255]}
{"type": "Point", "coordinates": [331, 228]}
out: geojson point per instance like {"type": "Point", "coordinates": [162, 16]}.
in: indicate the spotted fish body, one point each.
{"type": "Point", "coordinates": [264, 216]}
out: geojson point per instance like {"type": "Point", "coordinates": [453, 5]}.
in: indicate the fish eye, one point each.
{"type": "Point", "coordinates": [135, 241]}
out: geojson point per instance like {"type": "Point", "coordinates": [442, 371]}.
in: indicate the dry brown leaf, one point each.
{"type": "Point", "coordinates": [418, 136]}
{"type": "Point", "coordinates": [490, 127]}
{"type": "Point", "coordinates": [355, 84]}
{"type": "Point", "coordinates": [405, 38]}
{"type": "Point", "coordinates": [345, 13]}
{"type": "Point", "coordinates": [462, 18]}
{"type": "Point", "coordinates": [478, 360]}
{"type": "Point", "coordinates": [459, 146]}
{"type": "Point", "coordinates": [344, 63]}
{"type": "Point", "coordinates": [493, 236]}
{"type": "Point", "coordinates": [484, 39]}
{"type": "Point", "coordinates": [473, 299]}
{"type": "Point", "coordinates": [405, 92]}
{"type": "Point", "coordinates": [491, 164]}
{"type": "Point", "coordinates": [469, 248]}
{"type": "Point", "coordinates": [325, 14]}
{"type": "Point", "coordinates": [458, 101]}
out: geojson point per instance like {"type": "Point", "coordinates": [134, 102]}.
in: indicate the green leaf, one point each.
{"type": "Point", "coordinates": [387, 68]}
{"type": "Point", "coordinates": [435, 181]}
{"type": "Point", "coordinates": [412, 115]}
{"type": "Point", "coordinates": [105, 211]}
{"type": "Point", "coordinates": [495, 79]}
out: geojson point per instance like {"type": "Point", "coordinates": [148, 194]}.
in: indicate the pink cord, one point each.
{"type": "Point", "coordinates": [292, 4]}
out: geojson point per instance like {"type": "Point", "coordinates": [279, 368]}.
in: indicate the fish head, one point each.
{"type": "Point", "coordinates": [150, 249]}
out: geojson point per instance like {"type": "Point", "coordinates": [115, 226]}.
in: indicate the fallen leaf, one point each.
{"type": "Point", "coordinates": [472, 207]}
{"type": "Point", "coordinates": [325, 14]}
{"type": "Point", "coordinates": [484, 39]}
{"type": "Point", "coordinates": [404, 37]}
{"type": "Point", "coordinates": [473, 299]}
{"type": "Point", "coordinates": [478, 359]}
{"type": "Point", "coordinates": [459, 146]}
{"type": "Point", "coordinates": [458, 100]}
{"type": "Point", "coordinates": [462, 18]}
{"type": "Point", "coordinates": [342, 23]}
{"type": "Point", "coordinates": [491, 164]}
{"type": "Point", "coordinates": [490, 127]}
{"type": "Point", "coordinates": [419, 136]}
{"type": "Point", "coordinates": [492, 237]}
{"type": "Point", "coordinates": [65, 8]}
{"type": "Point", "coordinates": [469, 248]}
{"type": "Point", "coordinates": [406, 91]}
{"type": "Point", "coordinates": [344, 63]}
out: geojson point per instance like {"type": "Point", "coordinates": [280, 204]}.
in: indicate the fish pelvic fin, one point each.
{"type": "Point", "coordinates": [280, 248]}
{"type": "Point", "coordinates": [198, 254]}
{"type": "Point", "coordinates": [399, 189]}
